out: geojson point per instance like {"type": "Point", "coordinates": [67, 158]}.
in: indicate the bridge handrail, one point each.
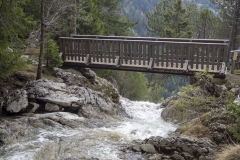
{"type": "Point", "coordinates": [156, 55]}
{"type": "Point", "coordinates": [152, 38]}
{"type": "Point", "coordinates": [148, 41]}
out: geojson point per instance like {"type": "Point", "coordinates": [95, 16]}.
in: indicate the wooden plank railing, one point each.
{"type": "Point", "coordinates": [162, 53]}
{"type": "Point", "coordinates": [153, 38]}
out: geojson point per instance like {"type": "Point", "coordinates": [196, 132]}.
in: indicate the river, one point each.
{"type": "Point", "coordinates": [103, 143]}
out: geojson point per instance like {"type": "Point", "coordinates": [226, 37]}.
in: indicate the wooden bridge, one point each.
{"type": "Point", "coordinates": [146, 54]}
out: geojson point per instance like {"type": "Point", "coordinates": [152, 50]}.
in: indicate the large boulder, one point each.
{"type": "Point", "coordinates": [83, 101]}
{"type": "Point", "coordinates": [16, 102]}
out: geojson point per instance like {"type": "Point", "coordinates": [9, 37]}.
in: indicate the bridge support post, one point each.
{"type": "Point", "coordinates": [150, 64]}
{"type": "Point", "coordinates": [223, 69]}
{"type": "Point", "coordinates": [117, 61]}
{"type": "Point", "coordinates": [86, 61]}
{"type": "Point", "coordinates": [185, 66]}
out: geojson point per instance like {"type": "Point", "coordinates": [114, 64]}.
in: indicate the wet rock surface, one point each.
{"type": "Point", "coordinates": [25, 127]}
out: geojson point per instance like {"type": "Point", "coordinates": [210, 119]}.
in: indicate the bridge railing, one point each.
{"type": "Point", "coordinates": [149, 54]}
{"type": "Point", "coordinates": [223, 41]}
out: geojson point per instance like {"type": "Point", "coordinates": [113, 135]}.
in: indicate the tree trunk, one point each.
{"type": "Point", "coordinates": [40, 62]}
{"type": "Point", "coordinates": [234, 32]}
{"type": "Point", "coordinates": [75, 18]}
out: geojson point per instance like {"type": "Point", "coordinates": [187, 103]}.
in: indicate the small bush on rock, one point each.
{"type": "Point", "coordinates": [204, 73]}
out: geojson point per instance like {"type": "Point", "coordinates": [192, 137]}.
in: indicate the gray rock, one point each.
{"type": "Point", "coordinates": [77, 99]}
{"type": "Point", "coordinates": [3, 92]}
{"type": "Point", "coordinates": [235, 91]}
{"type": "Point", "coordinates": [16, 102]}
{"type": "Point", "coordinates": [155, 157]}
{"type": "Point", "coordinates": [33, 107]}
{"type": "Point", "coordinates": [149, 148]}
{"type": "Point", "coordinates": [237, 101]}
{"type": "Point", "coordinates": [178, 147]}
{"type": "Point", "coordinates": [165, 142]}
{"type": "Point", "coordinates": [136, 148]}
{"type": "Point", "coordinates": [28, 126]}
{"type": "Point", "coordinates": [177, 157]}
{"type": "Point", "coordinates": [88, 73]}
{"type": "Point", "coordinates": [52, 107]}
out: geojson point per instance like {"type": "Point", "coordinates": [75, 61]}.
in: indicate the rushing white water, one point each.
{"type": "Point", "coordinates": [103, 143]}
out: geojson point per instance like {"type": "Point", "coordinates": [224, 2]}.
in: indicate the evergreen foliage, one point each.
{"type": "Point", "coordinates": [91, 23]}
{"type": "Point", "coordinates": [51, 54]}
{"type": "Point", "coordinates": [169, 19]}
{"type": "Point", "coordinates": [163, 86]}
{"type": "Point", "coordinates": [230, 15]}
{"type": "Point", "coordinates": [10, 62]}
{"type": "Point", "coordinates": [233, 110]}
{"type": "Point", "coordinates": [14, 26]}
{"type": "Point", "coordinates": [132, 85]}
{"type": "Point", "coordinates": [112, 20]}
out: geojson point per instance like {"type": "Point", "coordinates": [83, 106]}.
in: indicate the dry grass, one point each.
{"type": "Point", "coordinates": [230, 153]}
{"type": "Point", "coordinates": [197, 130]}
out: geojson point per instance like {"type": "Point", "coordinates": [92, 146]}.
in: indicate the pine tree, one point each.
{"type": "Point", "coordinates": [14, 26]}
{"type": "Point", "coordinates": [90, 23]}
{"type": "Point", "coordinates": [230, 14]}
{"type": "Point", "coordinates": [51, 54]}
{"type": "Point", "coordinates": [169, 19]}
{"type": "Point", "coordinates": [112, 19]}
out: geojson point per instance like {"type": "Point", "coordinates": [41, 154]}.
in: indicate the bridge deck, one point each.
{"type": "Point", "coordinates": [162, 55]}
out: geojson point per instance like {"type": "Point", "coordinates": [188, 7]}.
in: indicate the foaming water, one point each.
{"type": "Point", "coordinates": [146, 121]}
{"type": "Point", "coordinates": [103, 143]}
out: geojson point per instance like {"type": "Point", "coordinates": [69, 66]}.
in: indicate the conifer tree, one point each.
{"type": "Point", "coordinates": [51, 53]}
{"type": "Point", "coordinates": [169, 19]}
{"type": "Point", "coordinates": [14, 26]}
{"type": "Point", "coordinates": [230, 14]}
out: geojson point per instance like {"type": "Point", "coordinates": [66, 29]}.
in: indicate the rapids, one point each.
{"type": "Point", "coordinates": [103, 143]}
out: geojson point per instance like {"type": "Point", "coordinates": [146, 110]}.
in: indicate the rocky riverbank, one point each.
{"type": "Point", "coordinates": [70, 100]}
{"type": "Point", "coordinates": [205, 124]}
{"type": "Point", "coordinates": [54, 116]}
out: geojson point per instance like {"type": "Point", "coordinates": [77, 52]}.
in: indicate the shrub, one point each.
{"type": "Point", "coordinates": [10, 62]}
{"type": "Point", "coordinates": [204, 73]}
{"type": "Point", "coordinates": [233, 110]}
{"type": "Point", "coordinates": [51, 54]}
{"type": "Point", "coordinates": [197, 129]}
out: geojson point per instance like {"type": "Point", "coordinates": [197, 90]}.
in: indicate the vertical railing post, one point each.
{"type": "Point", "coordinates": [121, 51]}
{"type": "Point", "coordinates": [62, 49]}
{"type": "Point", "coordinates": [89, 51]}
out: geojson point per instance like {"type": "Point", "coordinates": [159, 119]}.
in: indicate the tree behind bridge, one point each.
{"type": "Point", "coordinates": [169, 19]}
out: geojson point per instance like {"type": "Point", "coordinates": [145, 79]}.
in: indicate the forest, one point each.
{"type": "Point", "coordinates": [37, 24]}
